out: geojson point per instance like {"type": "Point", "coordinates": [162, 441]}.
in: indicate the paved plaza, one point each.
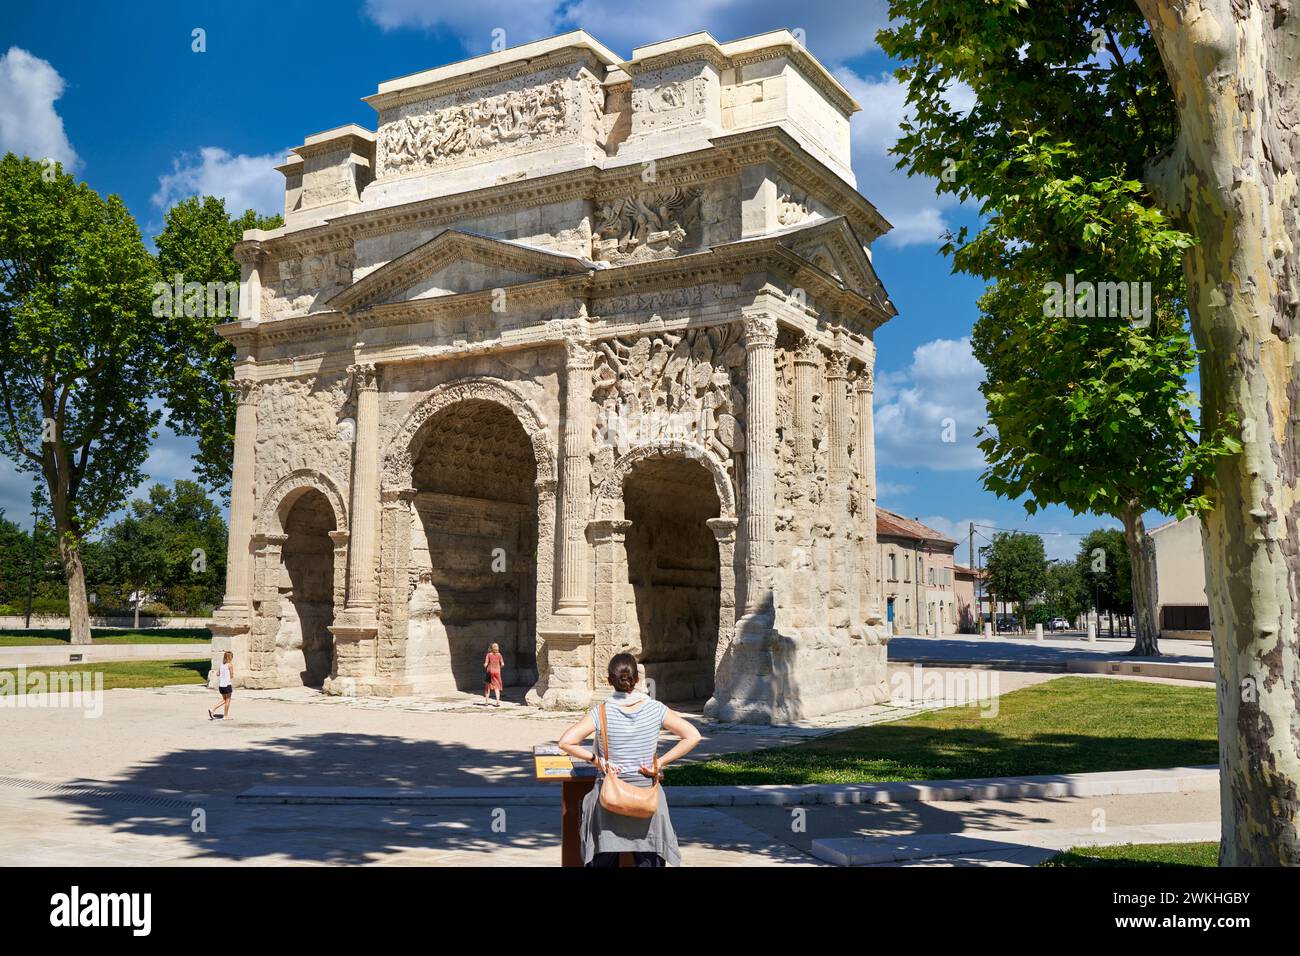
{"type": "Point", "coordinates": [154, 782]}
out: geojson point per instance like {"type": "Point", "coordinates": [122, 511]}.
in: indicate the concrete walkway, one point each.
{"type": "Point", "coordinates": [52, 655]}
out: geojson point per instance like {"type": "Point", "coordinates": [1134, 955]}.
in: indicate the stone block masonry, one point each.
{"type": "Point", "coordinates": [571, 355]}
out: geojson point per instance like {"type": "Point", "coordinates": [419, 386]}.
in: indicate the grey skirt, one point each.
{"type": "Point", "coordinates": [605, 832]}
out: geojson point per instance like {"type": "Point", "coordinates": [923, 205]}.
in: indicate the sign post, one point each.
{"type": "Point", "coordinates": [576, 780]}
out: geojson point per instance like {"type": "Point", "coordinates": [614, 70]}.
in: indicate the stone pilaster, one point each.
{"type": "Point", "coordinates": [724, 532]}
{"type": "Point", "coordinates": [231, 622]}
{"type": "Point", "coordinates": [260, 666]}
{"type": "Point", "coordinates": [614, 633]}
{"type": "Point", "coordinates": [360, 609]}
{"type": "Point", "coordinates": [391, 674]}
{"type": "Point", "coordinates": [866, 450]}
{"type": "Point", "coordinates": [575, 487]}
{"type": "Point", "coordinates": [839, 477]}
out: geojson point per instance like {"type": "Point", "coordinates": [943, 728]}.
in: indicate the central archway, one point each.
{"type": "Point", "coordinates": [474, 545]}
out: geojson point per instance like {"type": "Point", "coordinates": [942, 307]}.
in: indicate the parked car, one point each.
{"type": "Point", "coordinates": [1007, 624]}
{"type": "Point", "coordinates": [1059, 624]}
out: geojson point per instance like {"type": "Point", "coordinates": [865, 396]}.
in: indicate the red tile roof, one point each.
{"type": "Point", "coordinates": [895, 525]}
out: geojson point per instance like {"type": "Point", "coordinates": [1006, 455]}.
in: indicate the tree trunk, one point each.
{"type": "Point", "coordinates": [1231, 182]}
{"type": "Point", "coordinates": [1139, 560]}
{"type": "Point", "coordinates": [78, 607]}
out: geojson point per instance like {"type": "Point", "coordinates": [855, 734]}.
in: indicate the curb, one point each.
{"type": "Point", "coordinates": [868, 851]}
{"type": "Point", "coordinates": [1172, 780]}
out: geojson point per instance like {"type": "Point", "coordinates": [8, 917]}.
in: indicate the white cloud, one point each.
{"type": "Point", "coordinates": [927, 414]}
{"type": "Point", "coordinates": [829, 34]}
{"type": "Point", "coordinates": [244, 182]}
{"type": "Point", "coordinates": [892, 489]}
{"type": "Point", "coordinates": [471, 23]}
{"type": "Point", "coordinates": [29, 124]}
{"type": "Point", "coordinates": [909, 202]}
{"type": "Point", "coordinates": [958, 531]}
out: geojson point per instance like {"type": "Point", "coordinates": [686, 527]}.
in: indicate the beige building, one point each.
{"type": "Point", "coordinates": [915, 576]}
{"type": "Point", "coordinates": [572, 354]}
{"type": "Point", "coordinates": [969, 598]}
{"type": "Point", "coordinates": [1178, 564]}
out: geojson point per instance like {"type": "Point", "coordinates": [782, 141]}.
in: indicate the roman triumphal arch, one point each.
{"type": "Point", "coordinates": [572, 354]}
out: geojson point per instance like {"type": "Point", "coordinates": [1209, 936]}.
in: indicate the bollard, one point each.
{"type": "Point", "coordinates": [988, 632]}
{"type": "Point", "coordinates": [1092, 632]}
{"type": "Point", "coordinates": [1038, 632]}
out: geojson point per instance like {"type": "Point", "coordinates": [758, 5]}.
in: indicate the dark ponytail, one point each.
{"type": "Point", "coordinates": [622, 672]}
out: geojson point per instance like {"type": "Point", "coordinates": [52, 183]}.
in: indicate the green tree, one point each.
{"type": "Point", "coordinates": [194, 250]}
{"type": "Point", "coordinates": [1183, 108]}
{"type": "Point", "coordinates": [1103, 564]}
{"type": "Point", "coordinates": [1085, 272]}
{"type": "Point", "coordinates": [1017, 568]}
{"type": "Point", "coordinates": [79, 352]}
{"type": "Point", "coordinates": [170, 547]}
{"type": "Point", "coordinates": [1065, 592]}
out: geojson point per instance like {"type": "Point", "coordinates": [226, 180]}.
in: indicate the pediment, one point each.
{"type": "Point", "coordinates": [832, 246]}
{"type": "Point", "coordinates": [454, 263]}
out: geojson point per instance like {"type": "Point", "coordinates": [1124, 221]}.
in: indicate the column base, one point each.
{"type": "Point", "coordinates": [564, 663]}
{"type": "Point", "coordinates": [364, 687]}
{"type": "Point", "coordinates": [230, 627]}
{"type": "Point", "coordinates": [781, 676]}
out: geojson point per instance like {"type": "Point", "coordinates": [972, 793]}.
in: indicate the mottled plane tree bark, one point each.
{"type": "Point", "coordinates": [1231, 179]}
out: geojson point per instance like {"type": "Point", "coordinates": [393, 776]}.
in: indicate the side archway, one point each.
{"type": "Point", "coordinates": [608, 502]}
{"type": "Point", "coordinates": [282, 496]}
{"type": "Point", "coordinates": [663, 525]}
{"type": "Point", "coordinates": [300, 560]}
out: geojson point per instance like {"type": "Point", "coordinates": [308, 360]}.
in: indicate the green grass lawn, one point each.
{"type": "Point", "coordinates": [162, 635]}
{"type": "Point", "coordinates": [131, 673]}
{"type": "Point", "coordinates": [1066, 725]}
{"type": "Point", "coordinates": [1139, 854]}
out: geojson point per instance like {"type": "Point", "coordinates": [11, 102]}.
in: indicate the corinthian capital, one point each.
{"type": "Point", "coordinates": [837, 365]}
{"type": "Point", "coordinates": [865, 381]}
{"type": "Point", "coordinates": [245, 391]}
{"type": "Point", "coordinates": [760, 330]}
{"type": "Point", "coordinates": [365, 377]}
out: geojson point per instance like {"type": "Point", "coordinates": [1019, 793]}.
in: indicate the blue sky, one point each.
{"type": "Point", "coordinates": [118, 92]}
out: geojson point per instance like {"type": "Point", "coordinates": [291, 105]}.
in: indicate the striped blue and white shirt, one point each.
{"type": "Point", "coordinates": [633, 735]}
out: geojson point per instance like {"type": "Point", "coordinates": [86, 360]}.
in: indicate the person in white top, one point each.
{"type": "Point", "coordinates": [225, 685]}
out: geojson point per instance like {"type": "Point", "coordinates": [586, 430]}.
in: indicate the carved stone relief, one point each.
{"type": "Point", "coordinates": [647, 226]}
{"type": "Point", "coordinates": [685, 387]}
{"type": "Point", "coordinates": [472, 124]}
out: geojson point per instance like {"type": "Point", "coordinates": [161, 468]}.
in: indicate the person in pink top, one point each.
{"type": "Point", "coordinates": [492, 665]}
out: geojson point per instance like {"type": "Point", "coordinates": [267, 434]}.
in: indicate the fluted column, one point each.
{"type": "Point", "coordinates": [360, 607]}
{"type": "Point", "coordinates": [806, 359]}
{"type": "Point", "coordinates": [760, 462]}
{"type": "Point", "coordinates": [235, 604]}
{"type": "Point", "coordinates": [838, 477]}
{"type": "Point", "coordinates": [866, 450]}
{"type": "Point", "coordinates": [575, 490]}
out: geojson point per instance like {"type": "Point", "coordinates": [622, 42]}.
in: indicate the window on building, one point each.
{"type": "Point", "coordinates": [931, 578]}
{"type": "Point", "coordinates": [893, 566]}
